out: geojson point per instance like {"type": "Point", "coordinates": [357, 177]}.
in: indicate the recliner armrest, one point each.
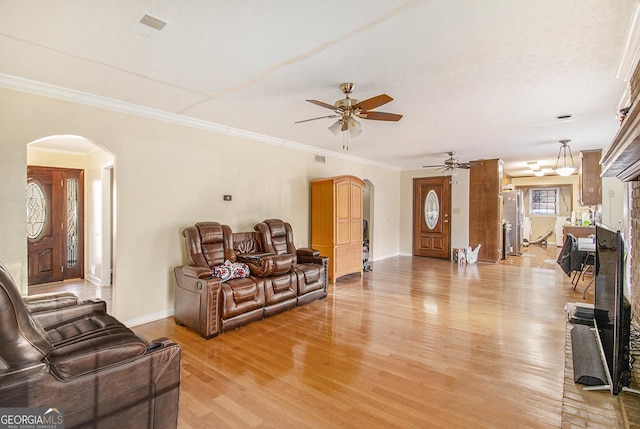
{"type": "Point", "coordinates": [315, 258]}
{"type": "Point", "coordinates": [271, 265]}
{"type": "Point", "coordinates": [196, 271]}
{"type": "Point", "coordinates": [307, 251]}
{"type": "Point", "coordinates": [49, 301]}
{"type": "Point", "coordinates": [197, 300]}
{"type": "Point", "coordinates": [87, 356]}
{"type": "Point", "coordinates": [54, 316]}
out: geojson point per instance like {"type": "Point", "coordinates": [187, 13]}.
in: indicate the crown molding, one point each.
{"type": "Point", "coordinates": [66, 94]}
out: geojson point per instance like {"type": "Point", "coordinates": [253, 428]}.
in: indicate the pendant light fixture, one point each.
{"type": "Point", "coordinates": [564, 169]}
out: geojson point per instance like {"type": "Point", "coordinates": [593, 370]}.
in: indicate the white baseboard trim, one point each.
{"type": "Point", "coordinates": [149, 318]}
{"type": "Point", "coordinates": [93, 279]}
{"type": "Point", "coordinates": [381, 258]}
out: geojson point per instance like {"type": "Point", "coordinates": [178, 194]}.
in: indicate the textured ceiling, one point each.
{"type": "Point", "coordinates": [486, 79]}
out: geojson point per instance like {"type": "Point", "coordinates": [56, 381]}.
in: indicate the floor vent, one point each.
{"type": "Point", "coordinates": [319, 159]}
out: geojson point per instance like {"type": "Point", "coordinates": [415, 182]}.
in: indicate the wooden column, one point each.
{"type": "Point", "coordinates": [485, 208]}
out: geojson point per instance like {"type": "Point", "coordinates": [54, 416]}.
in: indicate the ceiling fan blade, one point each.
{"type": "Point", "coordinates": [380, 116]}
{"type": "Point", "coordinates": [373, 102]}
{"type": "Point", "coordinates": [313, 119]}
{"type": "Point", "coordinates": [434, 166]}
{"type": "Point", "coordinates": [323, 104]}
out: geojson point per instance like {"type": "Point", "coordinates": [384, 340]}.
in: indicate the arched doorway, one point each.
{"type": "Point", "coordinates": [61, 153]}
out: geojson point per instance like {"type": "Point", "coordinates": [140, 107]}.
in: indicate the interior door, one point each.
{"type": "Point", "coordinates": [54, 224]}
{"type": "Point", "coordinates": [431, 214]}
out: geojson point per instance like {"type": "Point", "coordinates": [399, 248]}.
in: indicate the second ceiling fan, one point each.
{"type": "Point", "coordinates": [450, 165]}
{"type": "Point", "coordinates": [348, 109]}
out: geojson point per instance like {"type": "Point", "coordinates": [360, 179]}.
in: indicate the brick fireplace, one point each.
{"type": "Point", "coordinates": [634, 219]}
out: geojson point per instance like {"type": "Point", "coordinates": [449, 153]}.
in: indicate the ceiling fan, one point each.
{"type": "Point", "coordinates": [450, 165]}
{"type": "Point", "coordinates": [348, 109]}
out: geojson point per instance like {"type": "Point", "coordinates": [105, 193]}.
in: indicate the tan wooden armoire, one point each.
{"type": "Point", "coordinates": [336, 223]}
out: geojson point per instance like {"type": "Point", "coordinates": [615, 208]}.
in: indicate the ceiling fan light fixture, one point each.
{"type": "Point", "coordinates": [564, 169]}
{"type": "Point", "coordinates": [336, 128]}
{"type": "Point", "coordinates": [354, 127]}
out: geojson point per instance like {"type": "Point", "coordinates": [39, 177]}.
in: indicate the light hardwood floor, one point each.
{"type": "Point", "coordinates": [415, 343]}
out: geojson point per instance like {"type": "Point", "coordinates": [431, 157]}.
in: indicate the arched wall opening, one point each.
{"type": "Point", "coordinates": [98, 164]}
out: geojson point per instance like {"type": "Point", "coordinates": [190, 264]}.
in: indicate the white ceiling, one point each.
{"type": "Point", "coordinates": [484, 78]}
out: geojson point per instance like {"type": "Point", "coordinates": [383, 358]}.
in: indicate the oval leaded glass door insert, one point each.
{"type": "Point", "coordinates": [431, 209]}
{"type": "Point", "coordinates": [36, 210]}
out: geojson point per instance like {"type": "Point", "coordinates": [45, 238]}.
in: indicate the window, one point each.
{"type": "Point", "coordinates": [544, 201]}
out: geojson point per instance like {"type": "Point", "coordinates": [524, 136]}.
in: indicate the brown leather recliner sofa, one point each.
{"type": "Point", "coordinates": [57, 352]}
{"type": "Point", "coordinates": [281, 276]}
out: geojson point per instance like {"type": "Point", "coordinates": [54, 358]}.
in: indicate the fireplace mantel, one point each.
{"type": "Point", "coordinates": [622, 158]}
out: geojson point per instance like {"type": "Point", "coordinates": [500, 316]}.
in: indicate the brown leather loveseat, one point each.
{"type": "Point", "coordinates": [73, 357]}
{"type": "Point", "coordinates": [281, 277]}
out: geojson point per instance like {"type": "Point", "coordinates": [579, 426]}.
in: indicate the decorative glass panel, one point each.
{"type": "Point", "coordinates": [36, 210]}
{"type": "Point", "coordinates": [431, 209]}
{"type": "Point", "coordinates": [72, 223]}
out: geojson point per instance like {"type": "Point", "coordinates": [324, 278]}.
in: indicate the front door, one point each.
{"type": "Point", "coordinates": [431, 214]}
{"type": "Point", "coordinates": [54, 224]}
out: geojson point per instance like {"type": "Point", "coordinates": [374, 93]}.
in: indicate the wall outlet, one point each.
{"type": "Point", "coordinates": [612, 193]}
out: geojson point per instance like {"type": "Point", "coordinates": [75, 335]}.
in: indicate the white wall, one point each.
{"type": "Point", "coordinates": [613, 196]}
{"type": "Point", "coordinates": [459, 208]}
{"type": "Point", "coordinates": [169, 176]}
{"type": "Point", "coordinates": [98, 243]}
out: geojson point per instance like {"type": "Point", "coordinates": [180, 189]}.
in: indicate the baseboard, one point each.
{"type": "Point", "coordinates": [386, 257]}
{"type": "Point", "coordinates": [93, 279]}
{"type": "Point", "coordinates": [149, 318]}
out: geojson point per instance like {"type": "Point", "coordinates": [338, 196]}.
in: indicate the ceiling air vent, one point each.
{"type": "Point", "coordinates": [319, 159]}
{"type": "Point", "coordinates": [153, 22]}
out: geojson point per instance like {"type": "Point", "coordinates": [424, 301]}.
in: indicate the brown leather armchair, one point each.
{"type": "Point", "coordinates": [60, 353]}
{"type": "Point", "coordinates": [276, 237]}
